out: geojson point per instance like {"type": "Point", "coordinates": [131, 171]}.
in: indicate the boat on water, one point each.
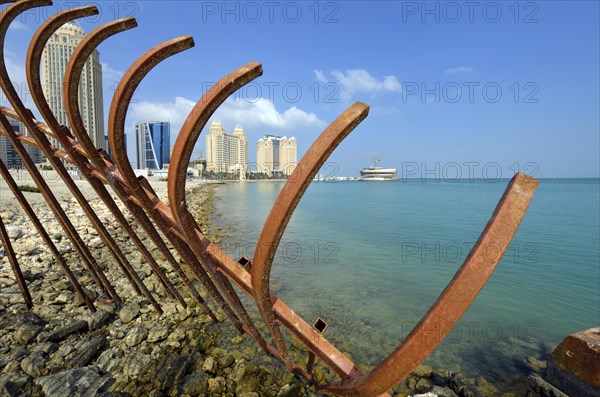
{"type": "Point", "coordinates": [375, 173]}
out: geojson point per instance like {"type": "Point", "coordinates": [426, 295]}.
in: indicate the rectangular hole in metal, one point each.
{"type": "Point", "coordinates": [320, 325]}
{"type": "Point", "coordinates": [245, 263]}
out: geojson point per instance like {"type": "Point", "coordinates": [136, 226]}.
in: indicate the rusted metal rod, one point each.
{"type": "Point", "coordinates": [26, 117]}
{"type": "Point", "coordinates": [14, 264]}
{"type": "Point", "coordinates": [45, 237]}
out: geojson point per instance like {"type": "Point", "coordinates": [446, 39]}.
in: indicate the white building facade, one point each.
{"type": "Point", "coordinates": [226, 152]}
{"type": "Point", "coordinates": [276, 155]}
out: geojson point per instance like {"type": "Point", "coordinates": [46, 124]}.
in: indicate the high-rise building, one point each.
{"type": "Point", "coordinates": [8, 153]}
{"type": "Point", "coordinates": [55, 59]}
{"type": "Point", "coordinates": [153, 144]}
{"type": "Point", "coordinates": [276, 155]}
{"type": "Point", "coordinates": [226, 152]}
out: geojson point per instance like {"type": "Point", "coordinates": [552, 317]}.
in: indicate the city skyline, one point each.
{"type": "Point", "coordinates": [8, 153]}
{"type": "Point", "coordinates": [483, 91]}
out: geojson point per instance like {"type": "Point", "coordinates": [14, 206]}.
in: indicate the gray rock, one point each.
{"type": "Point", "coordinates": [129, 312]}
{"type": "Point", "coordinates": [61, 333]}
{"type": "Point", "coordinates": [109, 360]}
{"type": "Point", "coordinates": [169, 370]}
{"type": "Point", "coordinates": [12, 384]}
{"type": "Point", "coordinates": [26, 333]}
{"type": "Point", "coordinates": [80, 382]}
{"type": "Point", "coordinates": [136, 336]}
{"type": "Point", "coordinates": [47, 347]}
{"type": "Point", "coordinates": [64, 297]}
{"type": "Point", "coordinates": [193, 384]}
{"type": "Point", "coordinates": [33, 365]}
{"type": "Point", "coordinates": [443, 392]}
{"type": "Point", "coordinates": [538, 387]}
{"type": "Point", "coordinates": [14, 232]}
{"type": "Point", "coordinates": [459, 384]}
{"type": "Point", "coordinates": [31, 319]}
{"type": "Point", "coordinates": [89, 351]}
{"type": "Point", "coordinates": [135, 364]}
{"type": "Point", "coordinates": [96, 320]}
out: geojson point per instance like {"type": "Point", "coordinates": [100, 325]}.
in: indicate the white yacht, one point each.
{"type": "Point", "coordinates": [375, 173]}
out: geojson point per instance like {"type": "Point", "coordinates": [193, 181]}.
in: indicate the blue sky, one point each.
{"type": "Point", "coordinates": [469, 89]}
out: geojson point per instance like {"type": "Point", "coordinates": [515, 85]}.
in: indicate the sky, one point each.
{"type": "Point", "coordinates": [465, 89]}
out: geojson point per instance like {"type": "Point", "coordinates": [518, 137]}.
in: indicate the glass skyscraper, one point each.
{"type": "Point", "coordinates": [153, 144]}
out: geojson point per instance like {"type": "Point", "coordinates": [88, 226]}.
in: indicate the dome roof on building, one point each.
{"type": "Point", "coordinates": [73, 25]}
{"type": "Point", "coordinates": [238, 130]}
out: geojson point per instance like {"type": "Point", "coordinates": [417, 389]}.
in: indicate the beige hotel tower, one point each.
{"type": "Point", "coordinates": [226, 152]}
{"type": "Point", "coordinates": [276, 154]}
{"type": "Point", "coordinates": [55, 59]}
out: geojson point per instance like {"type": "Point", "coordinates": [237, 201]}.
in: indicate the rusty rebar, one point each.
{"type": "Point", "coordinates": [26, 117]}
{"type": "Point", "coordinates": [14, 264]}
{"type": "Point", "coordinates": [45, 237]}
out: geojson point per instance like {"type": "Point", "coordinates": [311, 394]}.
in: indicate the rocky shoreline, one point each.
{"type": "Point", "coordinates": [59, 348]}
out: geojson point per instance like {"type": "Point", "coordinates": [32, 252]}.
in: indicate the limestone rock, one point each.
{"type": "Point", "coordinates": [158, 333]}
{"type": "Point", "coordinates": [216, 385]}
{"type": "Point", "coordinates": [136, 336]}
{"type": "Point", "coordinates": [210, 365]}
{"type": "Point", "coordinates": [129, 312]}
{"type": "Point", "coordinates": [79, 382]}
{"type": "Point", "coordinates": [26, 333]}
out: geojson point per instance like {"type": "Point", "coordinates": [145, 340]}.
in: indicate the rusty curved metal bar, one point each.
{"type": "Point", "coordinates": [286, 203]}
{"type": "Point", "coordinates": [182, 152]}
{"type": "Point", "coordinates": [210, 264]}
{"type": "Point", "coordinates": [122, 98]}
{"type": "Point", "coordinates": [62, 134]}
{"type": "Point", "coordinates": [456, 297]}
{"type": "Point", "coordinates": [148, 200]}
{"type": "Point", "coordinates": [71, 99]}
{"type": "Point", "coordinates": [6, 18]}
{"type": "Point", "coordinates": [40, 38]}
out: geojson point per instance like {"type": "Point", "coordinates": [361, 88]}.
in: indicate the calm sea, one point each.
{"type": "Point", "coordinates": [370, 258]}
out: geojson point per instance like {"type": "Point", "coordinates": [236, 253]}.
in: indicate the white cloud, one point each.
{"type": "Point", "coordinates": [109, 73]}
{"type": "Point", "coordinates": [17, 25]}
{"type": "Point", "coordinates": [360, 81]}
{"type": "Point", "coordinates": [460, 69]}
{"type": "Point", "coordinates": [174, 112]}
{"type": "Point", "coordinates": [260, 115]}
{"type": "Point", "coordinates": [320, 76]}
{"type": "Point", "coordinates": [15, 72]}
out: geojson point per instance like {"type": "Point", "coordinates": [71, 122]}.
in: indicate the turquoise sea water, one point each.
{"type": "Point", "coordinates": [370, 258]}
